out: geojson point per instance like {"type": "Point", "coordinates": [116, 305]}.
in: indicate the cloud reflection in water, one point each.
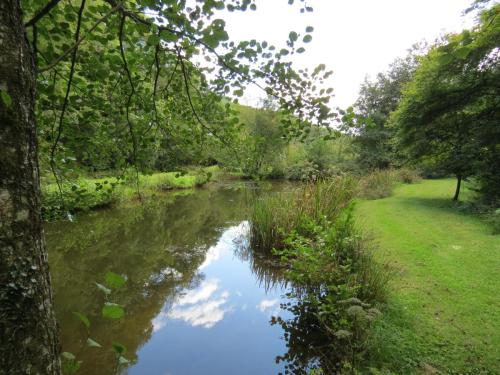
{"type": "Point", "coordinates": [205, 305]}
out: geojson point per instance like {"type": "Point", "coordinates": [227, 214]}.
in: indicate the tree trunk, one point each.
{"type": "Point", "coordinates": [457, 190]}
{"type": "Point", "coordinates": [28, 331]}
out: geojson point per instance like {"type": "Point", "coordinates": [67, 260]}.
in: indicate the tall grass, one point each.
{"type": "Point", "coordinates": [408, 176]}
{"type": "Point", "coordinates": [381, 183]}
{"type": "Point", "coordinates": [274, 217]}
{"type": "Point", "coordinates": [335, 282]}
{"type": "Point", "coordinates": [378, 184]}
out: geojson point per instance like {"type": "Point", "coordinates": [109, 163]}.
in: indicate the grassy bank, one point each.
{"type": "Point", "coordinates": [443, 312]}
{"type": "Point", "coordinates": [334, 285]}
{"type": "Point", "coordinates": [88, 192]}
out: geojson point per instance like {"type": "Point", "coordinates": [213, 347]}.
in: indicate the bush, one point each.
{"type": "Point", "coordinates": [494, 220]}
{"type": "Point", "coordinates": [81, 195]}
{"type": "Point", "coordinates": [378, 184]}
{"type": "Point", "coordinates": [408, 176]}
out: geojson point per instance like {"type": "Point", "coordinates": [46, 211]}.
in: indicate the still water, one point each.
{"type": "Point", "coordinates": [197, 299]}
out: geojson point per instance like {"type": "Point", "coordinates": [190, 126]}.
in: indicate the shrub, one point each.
{"type": "Point", "coordinates": [494, 220]}
{"type": "Point", "coordinates": [81, 195]}
{"type": "Point", "coordinates": [378, 184]}
{"type": "Point", "coordinates": [408, 176]}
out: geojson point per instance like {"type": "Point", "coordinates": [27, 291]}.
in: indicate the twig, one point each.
{"type": "Point", "coordinates": [129, 100]}
{"type": "Point", "coordinates": [65, 103]}
{"type": "Point", "coordinates": [78, 41]}
{"type": "Point", "coordinates": [45, 10]}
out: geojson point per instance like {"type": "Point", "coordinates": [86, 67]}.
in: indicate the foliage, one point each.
{"type": "Point", "coordinates": [275, 216]}
{"type": "Point", "coordinates": [120, 83]}
{"type": "Point", "coordinates": [381, 183]}
{"type": "Point", "coordinates": [378, 184]}
{"type": "Point", "coordinates": [80, 195]}
{"type": "Point", "coordinates": [110, 310]}
{"type": "Point", "coordinates": [89, 193]}
{"type": "Point", "coordinates": [494, 219]}
{"type": "Point", "coordinates": [264, 151]}
{"type": "Point", "coordinates": [449, 111]}
{"type": "Point", "coordinates": [374, 138]}
{"type": "Point", "coordinates": [408, 176]}
{"type": "Point", "coordinates": [335, 281]}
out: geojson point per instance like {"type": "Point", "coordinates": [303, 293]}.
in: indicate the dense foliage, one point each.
{"type": "Point", "coordinates": [377, 99]}
{"type": "Point", "coordinates": [449, 113]}
{"type": "Point", "coordinates": [122, 83]}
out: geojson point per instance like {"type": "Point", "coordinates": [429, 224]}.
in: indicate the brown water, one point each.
{"type": "Point", "coordinates": [197, 300]}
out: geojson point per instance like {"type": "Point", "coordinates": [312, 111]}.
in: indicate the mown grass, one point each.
{"type": "Point", "coordinates": [444, 311]}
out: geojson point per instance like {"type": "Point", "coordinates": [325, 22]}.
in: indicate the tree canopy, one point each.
{"type": "Point", "coordinates": [449, 112]}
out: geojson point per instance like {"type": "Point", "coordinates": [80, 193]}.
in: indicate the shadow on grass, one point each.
{"type": "Point", "coordinates": [439, 204]}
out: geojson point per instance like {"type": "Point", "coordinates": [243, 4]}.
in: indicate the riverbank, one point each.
{"type": "Point", "coordinates": [91, 192]}
{"type": "Point", "coordinates": [443, 312]}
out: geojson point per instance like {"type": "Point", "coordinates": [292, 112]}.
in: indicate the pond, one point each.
{"type": "Point", "coordinates": [197, 300]}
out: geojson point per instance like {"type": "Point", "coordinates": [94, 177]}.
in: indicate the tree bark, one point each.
{"type": "Point", "coordinates": [28, 332]}
{"type": "Point", "coordinates": [457, 190]}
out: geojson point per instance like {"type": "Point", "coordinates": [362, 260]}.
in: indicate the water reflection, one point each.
{"type": "Point", "coordinates": [196, 299]}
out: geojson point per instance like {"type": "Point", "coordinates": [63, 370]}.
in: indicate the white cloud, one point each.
{"type": "Point", "coordinates": [267, 305]}
{"type": "Point", "coordinates": [199, 307]}
{"type": "Point", "coordinates": [205, 314]}
{"type": "Point", "coordinates": [202, 293]}
{"type": "Point", "coordinates": [226, 242]}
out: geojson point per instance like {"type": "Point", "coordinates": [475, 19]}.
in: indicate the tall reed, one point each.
{"type": "Point", "coordinates": [275, 216]}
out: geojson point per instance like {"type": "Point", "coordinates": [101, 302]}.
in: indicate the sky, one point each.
{"type": "Point", "coordinates": [354, 38]}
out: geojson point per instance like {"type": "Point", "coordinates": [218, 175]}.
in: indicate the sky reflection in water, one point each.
{"type": "Point", "coordinates": [222, 325]}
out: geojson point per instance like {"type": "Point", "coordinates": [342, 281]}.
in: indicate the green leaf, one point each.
{"type": "Point", "coordinates": [307, 38]}
{"type": "Point", "coordinates": [153, 40]}
{"type": "Point", "coordinates": [6, 98]}
{"type": "Point", "coordinates": [446, 58]}
{"type": "Point", "coordinates": [122, 360]}
{"type": "Point", "coordinates": [82, 318]}
{"type": "Point", "coordinates": [114, 280]}
{"type": "Point", "coordinates": [462, 52]}
{"type": "Point", "coordinates": [293, 36]}
{"type": "Point", "coordinates": [93, 344]}
{"type": "Point", "coordinates": [301, 50]}
{"type": "Point", "coordinates": [68, 356]}
{"type": "Point", "coordinates": [119, 348]}
{"type": "Point", "coordinates": [112, 311]}
{"type": "Point", "coordinates": [309, 29]}
{"type": "Point", "coordinates": [103, 289]}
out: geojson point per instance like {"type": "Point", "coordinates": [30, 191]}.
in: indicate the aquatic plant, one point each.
{"type": "Point", "coordinates": [274, 216]}
{"type": "Point", "coordinates": [336, 284]}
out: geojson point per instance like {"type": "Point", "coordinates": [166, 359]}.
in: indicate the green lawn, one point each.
{"type": "Point", "coordinates": [443, 313]}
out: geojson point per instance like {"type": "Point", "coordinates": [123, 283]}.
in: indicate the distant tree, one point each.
{"type": "Point", "coordinates": [377, 99]}
{"type": "Point", "coordinates": [449, 114]}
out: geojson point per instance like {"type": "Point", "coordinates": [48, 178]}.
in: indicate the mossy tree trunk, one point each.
{"type": "Point", "coordinates": [28, 331]}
